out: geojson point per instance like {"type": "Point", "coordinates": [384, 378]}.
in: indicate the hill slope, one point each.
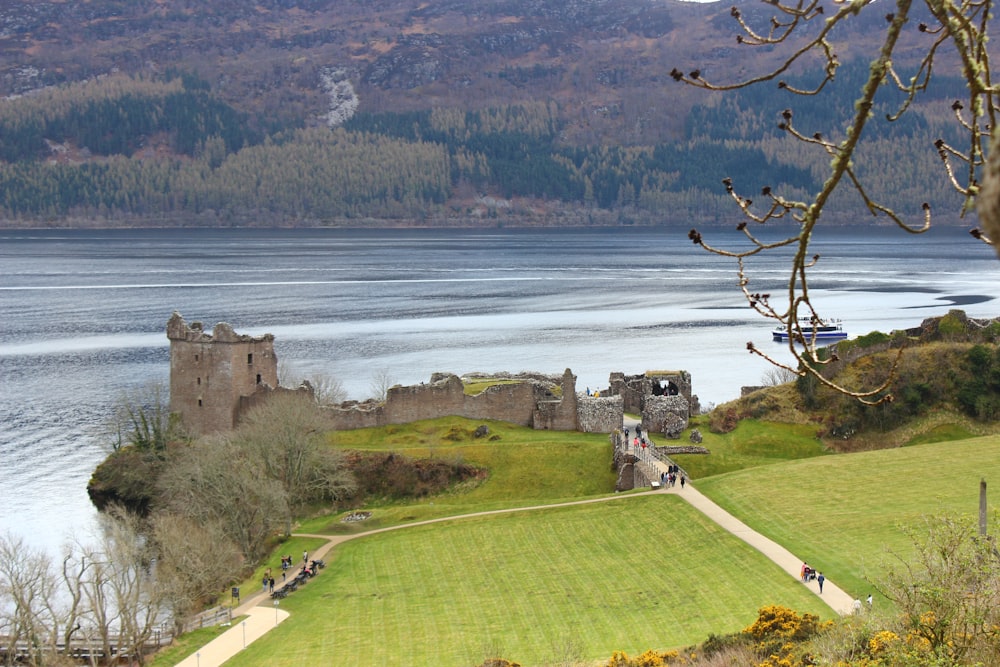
{"type": "Point", "coordinates": [575, 118]}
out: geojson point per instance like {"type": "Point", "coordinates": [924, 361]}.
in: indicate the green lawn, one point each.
{"type": "Point", "coordinates": [842, 513]}
{"type": "Point", "coordinates": [526, 467]}
{"type": "Point", "coordinates": [751, 444]}
{"type": "Point", "coordinates": [632, 574]}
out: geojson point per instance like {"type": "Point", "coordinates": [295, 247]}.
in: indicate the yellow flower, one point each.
{"type": "Point", "coordinates": [881, 641]}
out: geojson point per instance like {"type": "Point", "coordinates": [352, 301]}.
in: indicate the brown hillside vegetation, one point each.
{"type": "Point", "coordinates": [945, 385]}
{"type": "Point", "coordinates": [413, 89]}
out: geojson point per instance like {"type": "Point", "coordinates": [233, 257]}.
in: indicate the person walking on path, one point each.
{"type": "Point", "coordinates": [819, 580]}
{"type": "Point", "coordinates": [869, 601]}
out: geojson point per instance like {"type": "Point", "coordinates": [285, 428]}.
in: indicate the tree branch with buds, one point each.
{"type": "Point", "coordinates": [962, 25]}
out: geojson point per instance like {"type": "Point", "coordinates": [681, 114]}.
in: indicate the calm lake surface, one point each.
{"type": "Point", "coordinates": [83, 316]}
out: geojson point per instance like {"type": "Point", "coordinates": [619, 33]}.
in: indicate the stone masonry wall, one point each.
{"type": "Point", "coordinates": [559, 415]}
{"type": "Point", "coordinates": [425, 401]}
{"type": "Point", "coordinates": [665, 414]}
{"type": "Point", "coordinates": [600, 415]}
{"type": "Point", "coordinates": [529, 402]}
{"type": "Point", "coordinates": [635, 390]}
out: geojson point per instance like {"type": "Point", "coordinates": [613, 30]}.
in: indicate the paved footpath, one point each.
{"type": "Point", "coordinates": [262, 615]}
{"type": "Point", "coordinates": [833, 596]}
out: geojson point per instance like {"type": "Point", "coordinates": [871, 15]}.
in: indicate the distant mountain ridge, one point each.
{"type": "Point", "coordinates": [623, 143]}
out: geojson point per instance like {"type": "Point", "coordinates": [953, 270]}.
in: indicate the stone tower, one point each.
{"type": "Point", "coordinates": [209, 373]}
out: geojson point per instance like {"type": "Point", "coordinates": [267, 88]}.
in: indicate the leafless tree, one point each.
{"type": "Point", "coordinates": [809, 33]}
{"type": "Point", "coordinates": [381, 383]}
{"type": "Point", "coordinates": [195, 561]}
{"type": "Point", "coordinates": [217, 481]}
{"type": "Point", "coordinates": [777, 376]}
{"type": "Point", "coordinates": [125, 601]}
{"type": "Point", "coordinates": [27, 592]}
{"type": "Point", "coordinates": [327, 390]}
{"type": "Point", "coordinates": [105, 594]}
{"type": "Point", "coordinates": [287, 435]}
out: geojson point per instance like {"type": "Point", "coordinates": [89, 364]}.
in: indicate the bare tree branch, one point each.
{"type": "Point", "coordinates": [960, 24]}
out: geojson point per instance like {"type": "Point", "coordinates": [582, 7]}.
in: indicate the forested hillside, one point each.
{"type": "Point", "coordinates": [505, 113]}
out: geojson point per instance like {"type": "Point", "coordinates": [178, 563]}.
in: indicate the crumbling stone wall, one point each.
{"type": "Point", "coordinates": [425, 401]}
{"type": "Point", "coordinates": [636, 389]}
{"type": "Point", "coordinates": [265, 392]}
{"type": "Point", "coordinates": [559, 415]}
{"type": "Point", "coordinates": [514, 403]}
{"type": "Point", "coordinates": [351, 415]}
{"type": "Point", "coordinates": [665, 414]}
{"type": "Point", "coordinates": [600, 414]}
{"type": "Point", "coordinates": [210, 373]}
{"type": "Point", "coordinates": [529, 401]}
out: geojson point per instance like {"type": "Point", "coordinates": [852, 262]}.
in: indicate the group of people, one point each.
{"type": "Point", "coordinates": [669, 477]}
{"type": "Point", "coordinates": [808, 574]}
{"type": "Point", "coordinates": [269, 581]}
{"type": "Point", "coordinates": [639, 441]}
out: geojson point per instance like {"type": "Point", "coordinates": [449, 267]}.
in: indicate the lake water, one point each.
{"type": "Point", "coordinates": [83, 316]}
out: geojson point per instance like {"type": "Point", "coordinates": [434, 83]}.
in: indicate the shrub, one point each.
{"type": "Point", "coordinates": [779, 633]}
{"type": "Point", "coordinates": [719, 643]}
{"type": "Point", "coordinates": [871, 339]}
{"type": "Point", "coordinates": [723, 421]}
{"type": "Point", "coordinates": [648, 659]}
{"type": "Point", "coordinates": [776, 622]}
{"type": "Point", "coordinates": [952, 326]}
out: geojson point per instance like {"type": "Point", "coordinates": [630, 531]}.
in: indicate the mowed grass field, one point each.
{"type": "Point", "coordinates": [843, 514]}
{"type": "Point", "coordinates": [539, 586]}
{"type": "Point", "coordinates": [570, 585]}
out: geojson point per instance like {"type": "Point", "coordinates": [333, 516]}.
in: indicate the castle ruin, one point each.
{"type": "Point", "coordinates": [216, 377]}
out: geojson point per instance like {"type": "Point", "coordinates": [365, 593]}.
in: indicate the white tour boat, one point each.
{"type": "Point", "coordinates": [822, 330]}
